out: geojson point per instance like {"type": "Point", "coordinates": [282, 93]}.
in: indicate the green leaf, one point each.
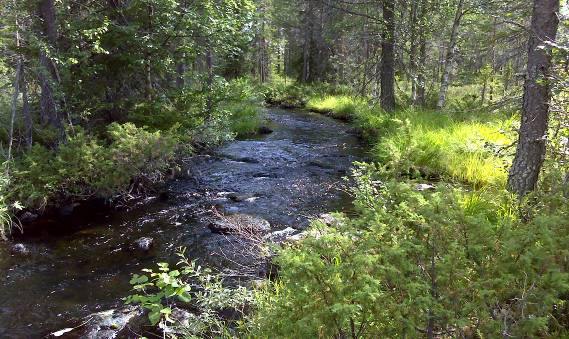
{"type": "Point", "coordinates": [154, 317]}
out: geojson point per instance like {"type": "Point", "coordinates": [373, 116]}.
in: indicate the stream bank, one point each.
{"type": "Point", "coordinates": [83, 265]}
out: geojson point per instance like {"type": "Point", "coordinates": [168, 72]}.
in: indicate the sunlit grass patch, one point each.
{"type": "Point", "coordinates": [435, 144]}
{"type": "Point", "coordinates": [338, 106]}
{"type": "Point", "coordinates": [245, 118]}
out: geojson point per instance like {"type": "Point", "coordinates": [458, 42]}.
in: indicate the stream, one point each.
{"type": "Point", "coordinates": [82, 264]}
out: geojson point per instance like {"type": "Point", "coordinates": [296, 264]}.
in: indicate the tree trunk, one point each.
{"type": "Point", "coordinates": [26, 113]}
{"type": "Point", "coordinates": [306, 47]}
{"type": "Point", "coordinates": [180, 73]}
{"type": "Point", "coordinates": [148, 87]}
{"type": "Point", "coordinates": [14, 106]}
{"type": "Point", "coordinates": [388, 57]}
{"type": "Point", "coordinates": [413, 64]}
{"type": "Point", "coordinates": [530, 152]}
{"type": "Point", "coordinates": [209, 65]}
{"type": "Point", "coordinates": [47, 74]}
{"type": "Point", "coordinates": [445, 81]}
{"type": "Point", "coordinates": [422, 64]}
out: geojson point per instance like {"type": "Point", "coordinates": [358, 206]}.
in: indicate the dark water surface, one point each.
{"type": "Point", "coordinates": [289, 176]}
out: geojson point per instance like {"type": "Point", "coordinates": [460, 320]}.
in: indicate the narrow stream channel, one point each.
{"type": "Point", "coordinates": [286, 177]}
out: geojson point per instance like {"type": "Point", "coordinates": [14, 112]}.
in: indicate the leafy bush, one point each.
{"type": "Point", "coordinates": [445, 262]}
{"type": "Point", "coordinates": [86, 167]}
{"type": "Point", "coordinates": [190, 287]}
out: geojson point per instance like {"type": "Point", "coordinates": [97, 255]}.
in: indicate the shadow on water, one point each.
{"type": "Point", "coordinates": [82, 265]}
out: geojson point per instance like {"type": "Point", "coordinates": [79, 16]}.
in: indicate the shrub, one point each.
{"type": "Point", "coordinates": [6, 209]}
{"type": "Point", "coordinates": [450, 263]}
{"type": "Point", "coordinates": [85, 167]}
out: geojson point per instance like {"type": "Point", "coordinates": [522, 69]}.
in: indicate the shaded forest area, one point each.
{"type": "Point", "coordinates": [460, 219]}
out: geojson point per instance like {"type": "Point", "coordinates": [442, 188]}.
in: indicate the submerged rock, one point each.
{"type": "Point", "coordinates": [28, 217]}
{"type": "Point", "coordinates": [19, 250]}
{"type": "Point", "coordinates": [68, 210]}
{"type": "Point", "coordinates": [321, 164]}
{"type": "Point", "coordinates": [143, 244]}
{"type": "Point", "coordinates": [239, 223]}
{"type": "Point", "coordinates": [245, 159]}
{"type": "Point", "coordinates": [264, 130]}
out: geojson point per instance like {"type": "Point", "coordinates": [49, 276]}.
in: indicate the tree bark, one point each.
{"type": "Point", "coordinates": [209, 66]}
{"type": "Point", "coordinates": [445, 81]}
{"type": "Point", "coordinates": [307, 44]}
{"type": "Point", "coordinates": [531, 147]}
{"type": "Point", "coordinates": [148, 87]}
{"type": "Point", "coordinates": [388, 57]}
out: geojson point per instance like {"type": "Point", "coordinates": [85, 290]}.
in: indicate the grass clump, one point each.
{"type": "Point", "coordinates": [414, 142]}
{"type": "Point", "coordinates": [429, 144]}
{"type": "Point", "coordinates": [338, 106]}
{"type": "Point", "coordinates": [245, 118]}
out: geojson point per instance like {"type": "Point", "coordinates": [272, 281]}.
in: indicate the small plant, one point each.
{"type": "Point", "coordinates": [6, 209]}
{"type": "Point", "coordinates": [191, 287]}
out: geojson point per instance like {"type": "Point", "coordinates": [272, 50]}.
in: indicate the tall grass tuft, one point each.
{"type": "Point", "coordinates": [245, 118]}
{"type": "Point", "coordinates": [338, 106]}
{"type": "Point", "coordinates": [435, 144]}
{"type": "Point", "coordinates": [6, 220]}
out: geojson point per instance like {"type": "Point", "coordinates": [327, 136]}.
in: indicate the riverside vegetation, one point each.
{"type": "Point", "coordinates": [460, 218]}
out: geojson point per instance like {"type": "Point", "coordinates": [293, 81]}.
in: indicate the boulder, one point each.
{"type": "Point", "coordinates": [282, 235]}
{"type": "Point", "coordinates": [19, 250]}
{"type": "Point", "coordinates": [143, 244]}
{"type": "Point", "coordinates": [424, 187]}
{"type": "Point", "coordinates": [264, 130]}
{"type": "Point", "coordinates": [239, 223]}
{"type": "Point", "coordinates": [328, 219]}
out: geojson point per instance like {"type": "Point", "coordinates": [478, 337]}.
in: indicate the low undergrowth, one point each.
{"type": "Point", "coordinates": [188, 300]}
{"type": "Point", "coordinates": [458, 257]}
{"type": "Point", "coordinates": [86, 166]}
{"type": "Point", "coordinates": [441, 261]}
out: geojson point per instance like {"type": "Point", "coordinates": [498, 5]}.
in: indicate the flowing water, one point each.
{"type": "Point", "coordinates": [81, 265]}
